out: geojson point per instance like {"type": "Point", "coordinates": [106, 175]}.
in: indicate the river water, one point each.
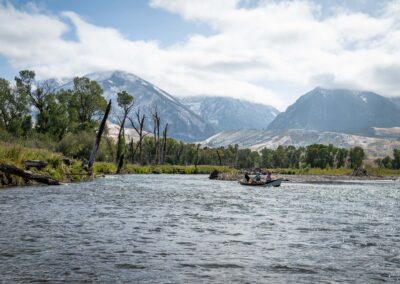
{"type": "Point", "coordinates": [188, 229]}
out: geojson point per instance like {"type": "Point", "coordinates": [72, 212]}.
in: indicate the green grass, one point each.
{"type": "Point", "coordinates": [16, 155]}
{"type": "Point", "coordinates": [313, 171]}
{"type": "Point", "coordinates": [109, 168]}
{"type": "Point", "coordinates": [373, 171]}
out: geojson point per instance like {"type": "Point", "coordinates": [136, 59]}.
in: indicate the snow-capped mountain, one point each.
{"type": "Point", "coordinates": [225, 113]}
{"type": "Point", "coordinates": [256, 139]}
{"type": "Point", "coordinates": [183, 123]}
{"type": "Point", "coordinates": [339, 110]}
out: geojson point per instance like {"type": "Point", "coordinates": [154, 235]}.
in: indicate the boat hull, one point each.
{"type": "Point", "coordinates": [274, 183]}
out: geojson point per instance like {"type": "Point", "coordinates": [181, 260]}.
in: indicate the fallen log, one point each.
{"type": "Point", "coordinates": [38, 164]}
{"type": "Point", "coordinates": [28, 175]}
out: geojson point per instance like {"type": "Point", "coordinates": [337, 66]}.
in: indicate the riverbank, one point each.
{"type": "Point", "coordinates": [319, 175]}
{"type": "Point", "coordinates": [58, 167]}
{"type": "Point", "coordinates": [68, 170]}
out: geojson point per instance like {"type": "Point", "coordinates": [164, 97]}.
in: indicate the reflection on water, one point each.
{"type": "Point", "coordinates": [188, 229]}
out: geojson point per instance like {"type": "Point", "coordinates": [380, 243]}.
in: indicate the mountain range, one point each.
{"type": "Point", "coordinates": [342, 117]}
{"type": "Point", "coordinates": [256, 139]}
{"type": "Point", "coordinates": [339, 110]}
{"type": "Point", "coordinates": [183, 123]}
{"type": "Point", "coordinates": [190, 119]}
{"type": "Point", "coordinates": [225, 113]}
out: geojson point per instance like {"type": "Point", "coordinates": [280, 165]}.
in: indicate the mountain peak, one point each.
{"type": "Point", "coordinates": [339, 110]}
{"type": "Point", "coordinates": [105, 75]}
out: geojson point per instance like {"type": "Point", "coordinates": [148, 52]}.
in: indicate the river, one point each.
{"type": "Point", "coordinates": [188, 229]}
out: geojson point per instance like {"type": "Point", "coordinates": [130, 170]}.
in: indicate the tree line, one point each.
{"type": "Point", "coordinates": [389, 162]}
{"type": "Point", "coordinates": [66, 121]}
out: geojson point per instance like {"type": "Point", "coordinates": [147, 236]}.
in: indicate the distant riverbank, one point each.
{"type": "Point", "coordinates": [70, 170]}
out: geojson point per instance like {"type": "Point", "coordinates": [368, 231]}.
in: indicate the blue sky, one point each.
{"type": "Point", "coordinates": [267, 51]}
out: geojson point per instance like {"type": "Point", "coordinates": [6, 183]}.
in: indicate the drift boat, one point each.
{"type": "Point", "coordinates": [274, 183]}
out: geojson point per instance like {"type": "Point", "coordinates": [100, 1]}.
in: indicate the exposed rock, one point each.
{"type": "Point", "coordinates": [214, 174]}
{"type": "Point", "coordinates": [360, 172]}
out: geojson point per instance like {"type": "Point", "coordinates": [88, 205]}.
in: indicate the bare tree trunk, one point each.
{"type": "Point", "coordinates": [98, 139]}
{"type": "Point", "coordinates": [179, 152]}
{"type": "Point", "coordinates": [197, 155]}
{"type": "Point", "coordinates": [139, 128]}
{"type": "Point", "coordinates": [164, 148]}
{"type": "Point", "coordinates": [219, 158]}
{"type": "Point", "coordinates": [156, 132]}
{"type": "Point", "coordinates": [121, 134]}
{"type": "Point", "coordinates": [120, 163]}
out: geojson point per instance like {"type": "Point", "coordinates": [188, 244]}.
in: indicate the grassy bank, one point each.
{"type": "Point", "coordinates": [56, 168]}
{"type": "Point", "coordinates": [74, 172]}
{"type": "Point", "coordinates": [372, 171]}
{"type": "Point", "coordinates": [110, 168]}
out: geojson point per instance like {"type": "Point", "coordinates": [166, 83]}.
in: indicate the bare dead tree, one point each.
{"type": "Point", "coordinates": [156, 132]}
{"type": "Point", "coordinates": [98, 139]}
{"type": "Point", "coordinates": [164, 144]}
{"type": "Point", "coordinates": [219, 158]}
{"type": "Point", "coordinates": [139, 128]}
{"type": "Point", "coordinates": [197, 155]}
{"type": "Point", "coordinates": [179, 151]}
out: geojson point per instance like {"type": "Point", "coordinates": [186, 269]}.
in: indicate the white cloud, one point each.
{"type": "Point", "coordinates": [273, 41]}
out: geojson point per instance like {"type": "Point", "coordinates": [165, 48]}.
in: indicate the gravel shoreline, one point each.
{"type": "Point", "coordinates": [332, 178]}
{"type": "Point", "coordinates": [314, 178]}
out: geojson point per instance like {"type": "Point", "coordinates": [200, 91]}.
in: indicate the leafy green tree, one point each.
{"type": "Point", "coordinates": [125, 102]}
{"type": "Point", "coordinates": [87, 102]}
{"type": "Point", "coordinates": [341, 157]}
{"type": "Point", "coordinates": [14, 112]}
{"type": "Point", "coordinates": [396, 159]}
{"type": "Point", "coordinates": [39, 96]}
{"type": "Point", "coordinates": [357, 156]}
{"type": "Point", "coordinates": [266, 160]}
{"type": "Point", "coordinates": [387, 162]}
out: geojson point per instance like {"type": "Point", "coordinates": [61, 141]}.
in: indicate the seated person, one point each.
{"type": "Point", "coordinates": [269, 178]}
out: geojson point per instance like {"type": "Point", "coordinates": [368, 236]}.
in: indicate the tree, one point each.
{"type": "Point", "coordinates": [14, 112]}
{"type": "Point", "coordinates": [396, 159]}
{"type": "Point", "coordinates": [40, 95]}
{"type": "Point", "coordinates": [341, 157]}
{"type": "Point", "coordinates": [139, 128]}
{"type": "Point", "coordinates": [125, 102]}
{"type": "Point", "coordinates": [387, 162]}
{"type": "Point", "coordinates": [87, 102]}
{"type": "Point", "coordinates": [164, 143]}
{"type": "Point", "coordinates": [357, 156]}
{"type": "Point", "coordinates": [156, 133]}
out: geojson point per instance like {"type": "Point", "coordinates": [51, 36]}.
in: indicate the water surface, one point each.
{"type": "Point", "coordinates": [188, 229]}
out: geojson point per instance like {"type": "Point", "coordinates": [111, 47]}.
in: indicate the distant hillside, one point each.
{"type": "Point", "coordinates": [184, 124]}
{"type": "Point", "coordinates": [225, 113]}
{"type": "Point", "coordinates": [258, 139]}
{"type": "Point", "coordinates": [339, 111]}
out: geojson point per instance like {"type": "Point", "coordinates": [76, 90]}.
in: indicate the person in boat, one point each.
{"type": "Point", "coordinates": [258, 176]}
{"type": "Point", "coordinates": [247, 178]}
{"type": "Point", "coordinates": [269, 178]}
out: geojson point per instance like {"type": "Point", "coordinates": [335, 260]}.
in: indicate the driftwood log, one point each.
{"type": "Point", "coordinates": [37, 164]}
{"type": "Point", "coordinates": [27, 175]}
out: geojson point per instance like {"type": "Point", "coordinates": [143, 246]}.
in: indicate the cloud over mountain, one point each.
{"type": "Point", "coordinates": [269, 50]}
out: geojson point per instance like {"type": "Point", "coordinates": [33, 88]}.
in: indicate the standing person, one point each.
{"type": "Point", "coordinates": [246, 176]}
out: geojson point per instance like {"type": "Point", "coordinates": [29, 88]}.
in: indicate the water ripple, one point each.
{"type": "Point", "coordinates": [188, 229]}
